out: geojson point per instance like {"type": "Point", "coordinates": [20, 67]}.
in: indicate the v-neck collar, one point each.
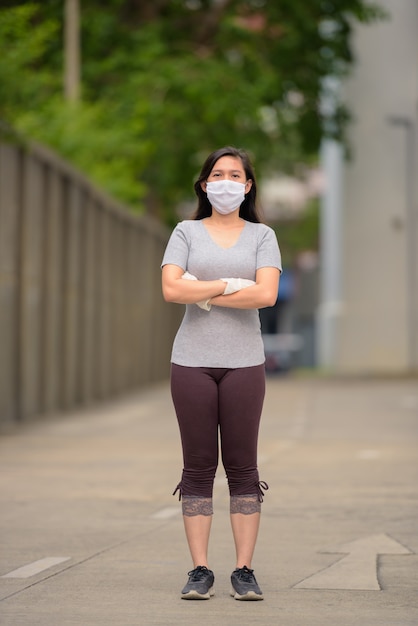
{"type": "Point", "coordinates": [219, 245]}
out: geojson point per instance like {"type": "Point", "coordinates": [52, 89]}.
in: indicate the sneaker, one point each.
{"type": "Point", "coordinates": [244, 585]}
{"type": "Point", "coordinates": [199, 585]}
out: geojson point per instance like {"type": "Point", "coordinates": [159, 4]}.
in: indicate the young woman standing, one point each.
{"type": "Point", "coordinates": [217, 371]}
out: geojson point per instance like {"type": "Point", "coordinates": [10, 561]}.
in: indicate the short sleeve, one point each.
{"type": "Point", "coordinates": [268, 251]}
{"type": "Point", "coordinates": [177, 250]}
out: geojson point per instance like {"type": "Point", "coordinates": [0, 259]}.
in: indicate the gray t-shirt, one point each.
{"type": "Point", "coordinates": [221, 337]}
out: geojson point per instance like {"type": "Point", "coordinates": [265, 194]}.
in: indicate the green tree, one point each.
{"type": "Point", "coordinates": [165, 82]}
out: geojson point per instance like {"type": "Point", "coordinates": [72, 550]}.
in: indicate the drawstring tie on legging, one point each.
{"type": "Point", "coordinates": [178, 489]}
{"type": "Point", "coordinates": [260, 486]}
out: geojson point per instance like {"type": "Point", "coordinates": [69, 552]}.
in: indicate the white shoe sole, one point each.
{"type": "Point", "coordinates": [250, 595]}
{"type": "Point", "coordinates": [195, 595]}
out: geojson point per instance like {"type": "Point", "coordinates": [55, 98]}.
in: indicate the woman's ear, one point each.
{"type": "Point", "coordinates": [203, 185]}
{"type": "Point", "coordinates": [248, 185]}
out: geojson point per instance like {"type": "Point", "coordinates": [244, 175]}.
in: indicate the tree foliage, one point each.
{"type": "Point", "coordinates": [165, 82]}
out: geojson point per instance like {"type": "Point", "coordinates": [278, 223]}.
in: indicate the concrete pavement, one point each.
{"type": "Point", "coordinates": [90, 533]}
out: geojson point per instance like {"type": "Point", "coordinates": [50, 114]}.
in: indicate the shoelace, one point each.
{"type": "Point", "coordinates": [198, 573]}
{"type": "Point", "coordinates": [245, 574]}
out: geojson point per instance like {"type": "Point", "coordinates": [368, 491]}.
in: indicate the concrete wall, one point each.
{"type": "Point", "coordinates": [82, 318]}
{"type": "Point", "coordinates": [377, 329]}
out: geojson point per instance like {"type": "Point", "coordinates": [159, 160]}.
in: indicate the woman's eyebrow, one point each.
{"type": "Point", "coordinates": [231, 171]}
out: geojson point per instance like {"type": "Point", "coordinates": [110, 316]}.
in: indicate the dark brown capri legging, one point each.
{"type": "Point", "coordinates": [217, 401]}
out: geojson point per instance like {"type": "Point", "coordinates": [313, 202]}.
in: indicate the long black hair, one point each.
{"type": "Point", "coordinates": [248, 209]}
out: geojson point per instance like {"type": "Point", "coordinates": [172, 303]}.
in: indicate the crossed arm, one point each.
{"type": "Point", "coordinates": [262, 294]}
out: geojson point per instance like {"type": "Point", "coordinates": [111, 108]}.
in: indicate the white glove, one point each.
{"type": "Point", "coordinates": [189, 276]}
{"type": "Point", "coordinates": [203, 304]}
{"type": "Point", "coordinates": [236, 284]}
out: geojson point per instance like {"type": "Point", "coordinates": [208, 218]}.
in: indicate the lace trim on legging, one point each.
{"type": "Point", "coordinates": [251, 503]}
{"type": "Point", "coordinates": [196, 505]}
{"type": "Point", "coordinates": [247, 505]}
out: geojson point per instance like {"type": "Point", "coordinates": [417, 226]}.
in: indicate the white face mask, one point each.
{"type": "Point", "coordinates": [225, 195]}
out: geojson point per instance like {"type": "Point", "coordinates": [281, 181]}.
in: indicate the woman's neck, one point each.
{"type": "Point", "coordinates": [232, 220]}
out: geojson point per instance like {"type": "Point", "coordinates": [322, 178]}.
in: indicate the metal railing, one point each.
{"type": "Point", "coordinates": [82, 318]}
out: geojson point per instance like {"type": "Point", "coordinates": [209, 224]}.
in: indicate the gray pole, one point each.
{"type": "Point", "coordinates": [411, 257]}
{"type": "Point", "coordinates": [330, 307]}
{"type": "Point", "coordinates": [72, 50]}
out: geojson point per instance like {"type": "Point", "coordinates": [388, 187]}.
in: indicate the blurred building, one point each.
{"type": "Point", "coordinates": [368, 315]}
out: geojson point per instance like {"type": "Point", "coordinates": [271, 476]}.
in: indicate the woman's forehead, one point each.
{"type": "Point", "coordinates": [229, 163]}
